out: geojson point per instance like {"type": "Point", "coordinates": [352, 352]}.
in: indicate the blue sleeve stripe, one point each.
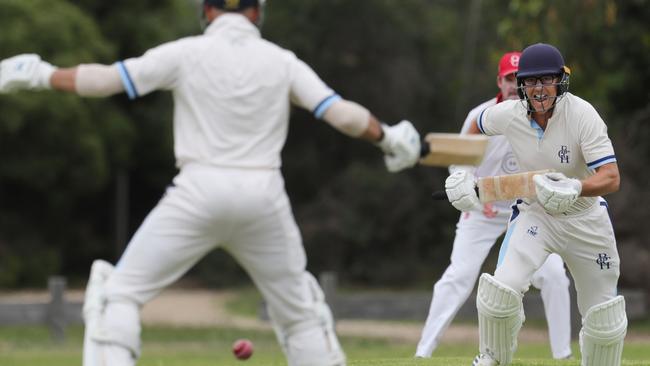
{"type": "Point", "coordinates": [480, 122]}
{"type": "Point", "coordinates": [126, 81]}
{"type": "Point", "coordinates": [322, 107]}
{"type": "Point", "coordinates": [602, 161]}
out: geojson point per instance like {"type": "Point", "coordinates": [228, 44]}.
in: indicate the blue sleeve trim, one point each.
{"type": "Point", "coordinates": [480, 122]}
{"type": "Point", "coordinates": [602, 161]}
{"type": "Point", "coordinates": [126, 81]}
{"type": "Point", "coordinates": [322, 107]}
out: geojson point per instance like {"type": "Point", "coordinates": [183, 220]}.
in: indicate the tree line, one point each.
{"type": "Point", "coordinates": [66, 164]}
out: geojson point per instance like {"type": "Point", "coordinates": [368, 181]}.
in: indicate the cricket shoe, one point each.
{"type": "Point", "coordinates": [484, 360]}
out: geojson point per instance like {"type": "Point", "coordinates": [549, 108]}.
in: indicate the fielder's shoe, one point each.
{"type": "Point", "coordinates": [484, 360]}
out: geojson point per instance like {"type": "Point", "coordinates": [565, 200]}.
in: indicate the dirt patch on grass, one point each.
{"type": "Point", "coordinates": [207, 308]}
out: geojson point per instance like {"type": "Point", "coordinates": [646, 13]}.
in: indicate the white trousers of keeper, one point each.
{"type": "Point", "coordinates": [475, 236]}
{"type": "Point", "coordinates": [247, 213]}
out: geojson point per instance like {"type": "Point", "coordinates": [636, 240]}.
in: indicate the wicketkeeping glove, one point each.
{"type": "Point", "coordinates": [401, 146]}
{"type": "Point", "coordinates": [26, 71]}
{"type": "Point", "coordinates": [460, 187]}
{"type": "Point", "coordinates": [555, 192]}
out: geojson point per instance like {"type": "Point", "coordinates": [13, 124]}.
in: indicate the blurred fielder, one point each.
{"type": "Point", "coordinates": [232, 93]}
{"type": "Point", "coordinates": [550, 128]}
{"type": "Point", "coordinates": [476, 233]}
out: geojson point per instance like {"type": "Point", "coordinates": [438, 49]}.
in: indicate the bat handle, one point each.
{"type": "Point", "coordinates": [439, 196]}
{"type": "Point", "coordinates": [425, 149]}
{"type": "Point", "coordinates": [442, 195]}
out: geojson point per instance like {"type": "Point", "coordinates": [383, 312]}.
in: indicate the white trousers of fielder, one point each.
{"type": "Point", "coordinates": [475, 236]}
{"type": "Point", "coordinates": [247, 213]}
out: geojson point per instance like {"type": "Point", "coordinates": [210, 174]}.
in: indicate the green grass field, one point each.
{"type": "Point", "coordinates": [31, 346]}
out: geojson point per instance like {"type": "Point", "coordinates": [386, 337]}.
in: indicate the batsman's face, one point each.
{"type": "Point", "coordinates": [541, 91]}
{"type": "Point", "coordinates": [508, 86]}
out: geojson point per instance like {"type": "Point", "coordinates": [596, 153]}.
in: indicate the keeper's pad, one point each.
{"type": "Point", "coordinates": [603, 331]}
{"type": "Point", "coordinates": [500, 316]}
{"type": "Point", "coordinates": [312, 342]}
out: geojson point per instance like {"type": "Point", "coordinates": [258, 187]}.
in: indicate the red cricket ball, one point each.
{"type": "Point", "coordinates": [242, 349]}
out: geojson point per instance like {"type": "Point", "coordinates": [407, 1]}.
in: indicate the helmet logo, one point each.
{"type": "Point", "coordinates": [232, 4]}
{"type": "Point", "coordinates": [514, 60]}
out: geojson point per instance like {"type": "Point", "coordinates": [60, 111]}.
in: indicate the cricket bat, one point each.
{"type": "Point", "coordinates": [503, 187]}
{"type": "Point", "coordinates": [445, 149]}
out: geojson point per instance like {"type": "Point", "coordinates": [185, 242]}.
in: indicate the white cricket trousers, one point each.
{"type": "Point", "coordinates": [244, 211]}
{"type": "Point", "coordinates": [475, 236]}
{"type": "Point", "coordinates": [584, 240]}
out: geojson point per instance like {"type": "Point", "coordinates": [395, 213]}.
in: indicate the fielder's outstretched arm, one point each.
{"type": "Point", "coordinates": [92, 80]}
{"type": "Point", "coordinates": [28, 71]}
{"type": "Point", "coordinates": [400, 143]}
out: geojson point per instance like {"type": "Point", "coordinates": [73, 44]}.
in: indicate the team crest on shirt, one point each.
{"type": "Point", "coordinates": [563, 154]}
{"type": "Point", "coordinates": [532, 231]}
{"type": "Point", "coordinates": [603, 260]}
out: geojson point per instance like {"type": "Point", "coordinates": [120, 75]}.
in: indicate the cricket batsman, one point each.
{"type": "Point", "coordinates": [550, 128]}
{"type": "Point", "coordinates": [232, 93]}
{"type": "Point", "coordinates": [478, 230]}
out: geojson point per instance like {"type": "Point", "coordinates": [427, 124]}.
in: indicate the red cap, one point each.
{"type": "Point", "coordinates": [509, 63]}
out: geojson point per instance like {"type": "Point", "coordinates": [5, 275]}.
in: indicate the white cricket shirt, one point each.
{"type": "Point", "coordinates": [499, 158]}
{"type": "Point", "coordinates": [575, 141]}
{"type": "Point", "coordinates": [232, 92]}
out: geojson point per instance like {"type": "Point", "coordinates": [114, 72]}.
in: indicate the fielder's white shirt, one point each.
{"type": "Point", "coordinates": [232, 92]}
{"type": "Point", "coordinates": [575, 141]}
{"type": "Point", "coordinates": [499, 158]}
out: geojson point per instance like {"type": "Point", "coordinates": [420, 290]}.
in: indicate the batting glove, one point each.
{"type": "Point", "coordinates": [401, 146]}
{"type": "Point", "coordinates": [26, 71]}
{"type": "Point", "coordinates": [555, 192]}
{"type": "Point", "coordinates": [460, 187]}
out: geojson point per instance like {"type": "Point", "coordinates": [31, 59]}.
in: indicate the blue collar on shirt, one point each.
{"type": "Point", "coordinates": [535, 125]}
{"type": "Point", "coordinates": [557, 109]}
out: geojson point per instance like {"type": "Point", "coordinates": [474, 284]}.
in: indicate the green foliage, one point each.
{"type": "Point", "coordinates": [59, 152]}
{"type": "Point", "coordinates": [426, 61]}
{"type": "Point", "coordinates": [53, 155]}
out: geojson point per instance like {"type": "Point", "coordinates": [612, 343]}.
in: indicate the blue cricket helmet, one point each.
{"type": "Point", "coordinates": [540, 59]}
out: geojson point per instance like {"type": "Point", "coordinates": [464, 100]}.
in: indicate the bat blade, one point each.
{"type": "Point", "coordinates": [502, 187]}
{"type": "Point", "coordinates": [508, 187]}
{"type": "Point", "coordinates": [445, 149]}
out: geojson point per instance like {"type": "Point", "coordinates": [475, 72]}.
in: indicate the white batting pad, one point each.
{"type": "Point", "coordinates": [94, 297]}
{"type": "Point", "coordinates": [500, 316]}
{"type": "Point", "coordinates": [93, 306]}
{"type": "Point", "coordinates": [312, 342]}
{"type": "Point", "coordinates": [603, 331]}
